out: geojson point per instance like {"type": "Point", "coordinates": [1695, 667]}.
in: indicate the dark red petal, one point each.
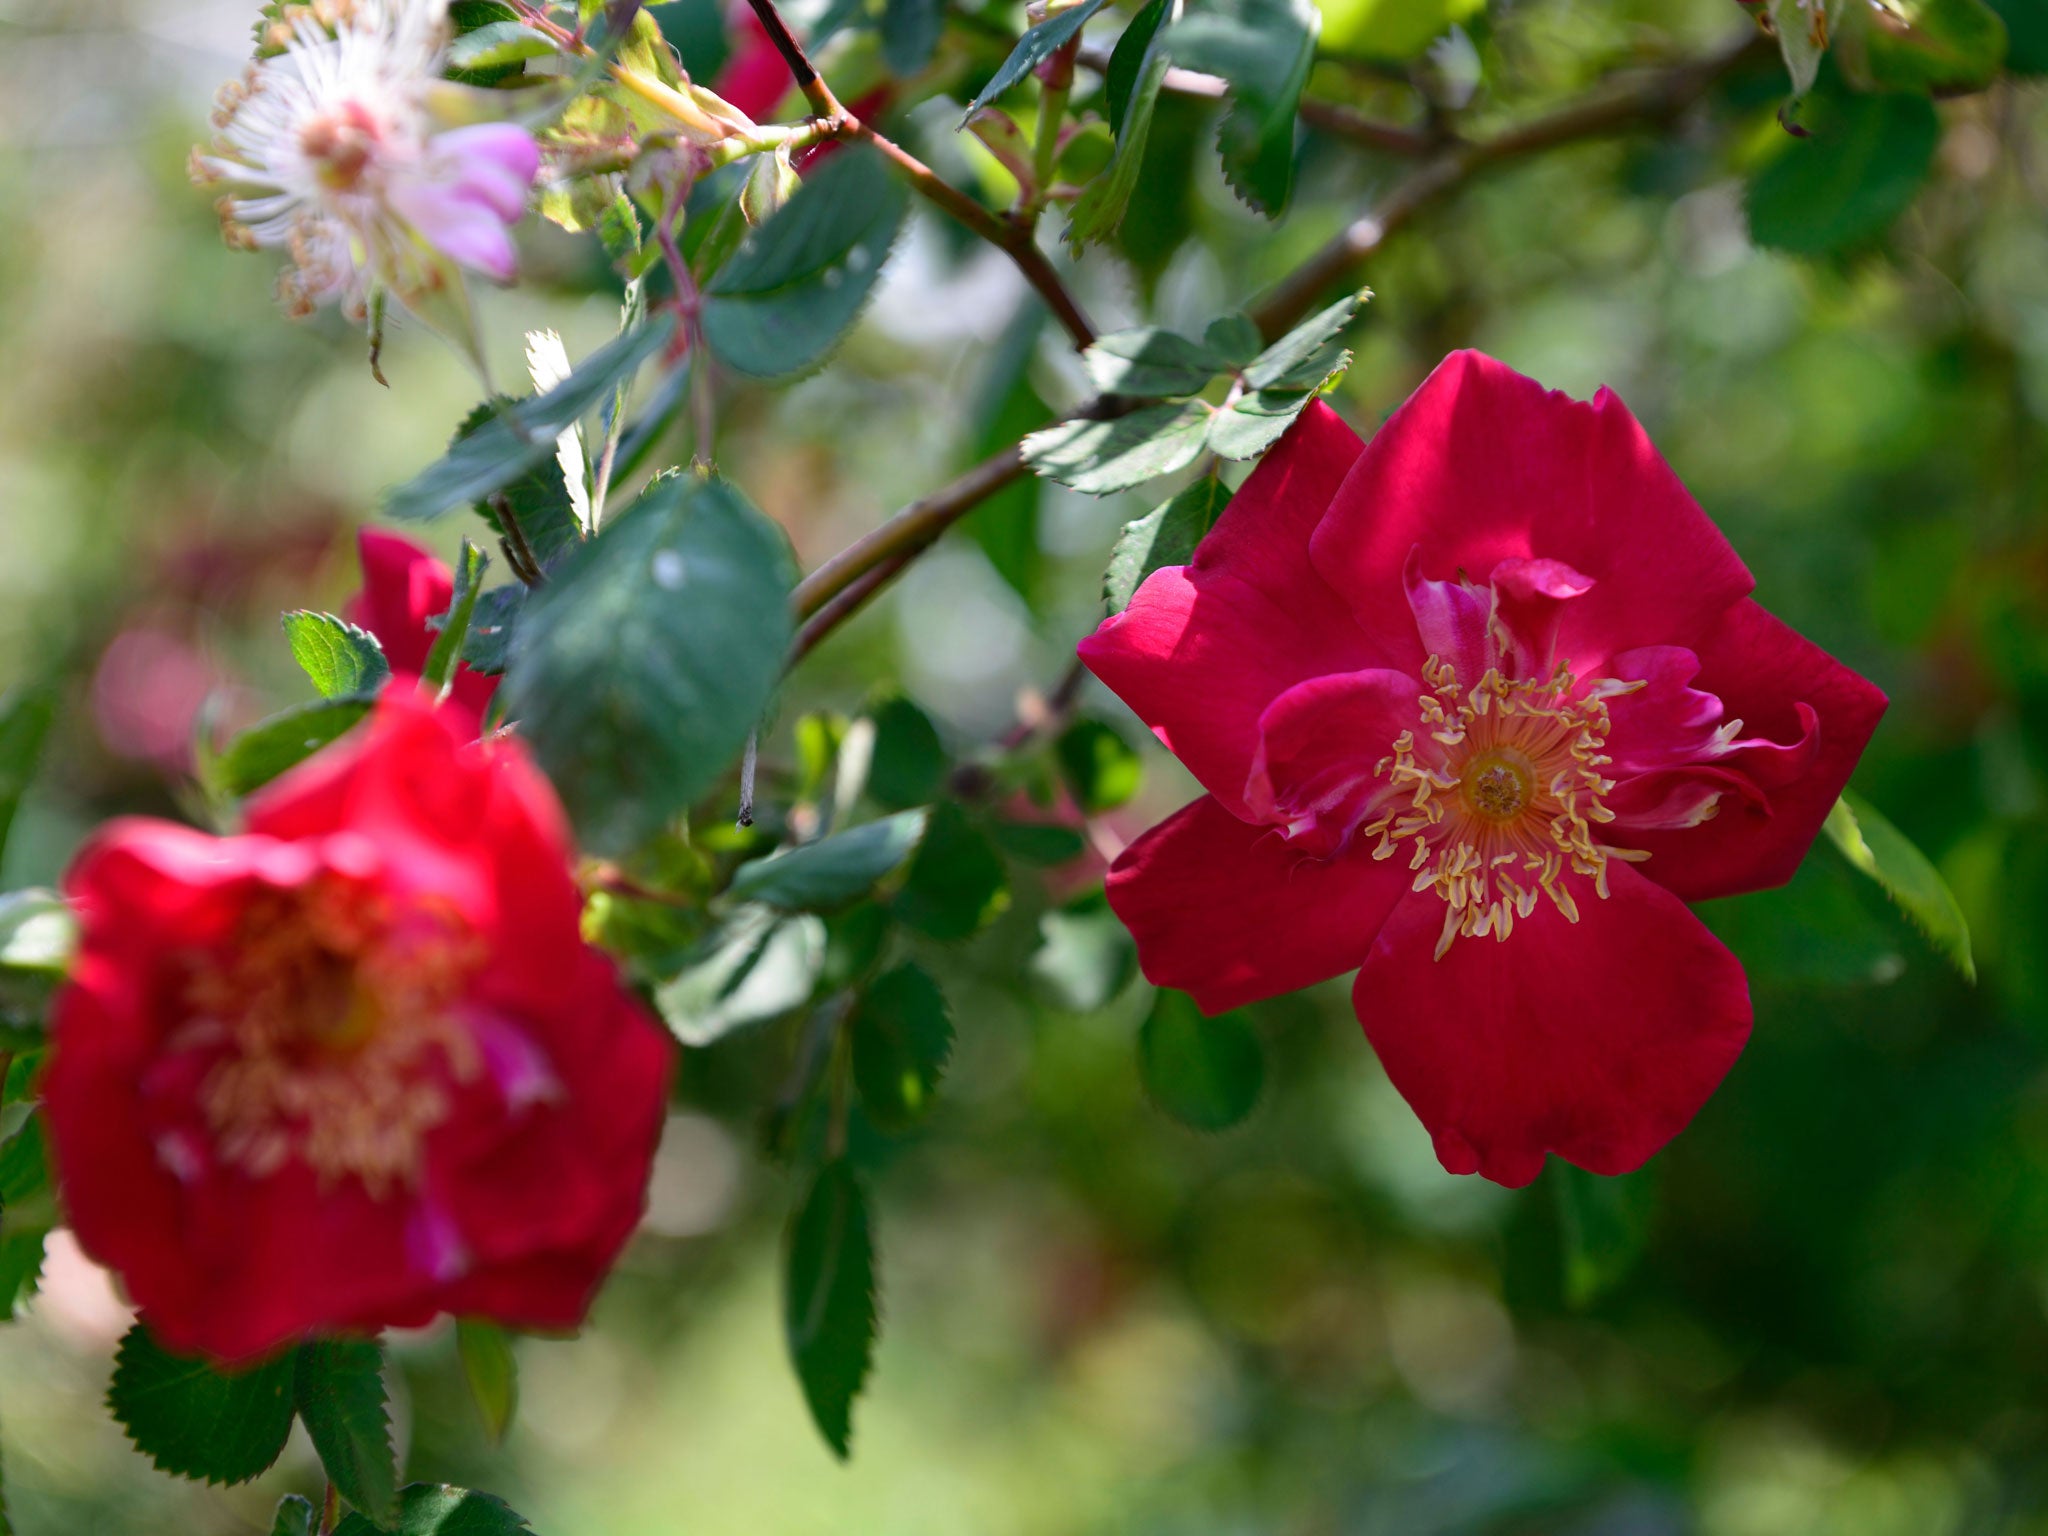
{"type": "Point", "coordinates": [1783, 688]}
{"type": "Point", "coordinates": [1597, 1040]}
{"type": "Point", "coordinates": [1483, 465]}
{"type": "Point", "coordinates": [1229, 913]}
{"type": "Point", "coordinates": [1320, 745]}
{"type": "Point", "coordinates": [1204, 648]}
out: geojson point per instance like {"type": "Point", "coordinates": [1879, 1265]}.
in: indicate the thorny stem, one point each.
{"type": "Point", "coordinates": [703, 406]}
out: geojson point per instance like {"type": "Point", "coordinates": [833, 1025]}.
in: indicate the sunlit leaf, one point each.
{"type": "Point", "coordinates": [1032, 50]}
{"type": "Point", "coordinates": [1099, 457]}
{"type": "Point", "coordinates": [1885, 854]}
{"type": "Point", "coordinates": [1167, 535]}
{"type": "Point", "coordinates": [834, 871]}
{"type": "Point", "coordinates": [341, 659]}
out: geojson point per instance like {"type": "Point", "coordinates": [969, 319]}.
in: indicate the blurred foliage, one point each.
{"type": "Point", "coordinates": [1821, 1311]}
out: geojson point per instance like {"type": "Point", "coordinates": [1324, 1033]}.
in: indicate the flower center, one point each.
{"type": "Point", "coordinates": [1498, 783]}
{"type": "Point", "coordinates": [1498, 797]}
{"type": "Point", "coordinates": [329, 1032]}
{"type": "Point", "coordinates": [341, 144]}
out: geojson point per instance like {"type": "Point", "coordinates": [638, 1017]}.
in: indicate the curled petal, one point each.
{"type": "Point", "coordinates": [1320, 744]}
{"type": "Point", "coordinates": [1806, 719]}
{"type": "Point", "coordinates": [1597, 1040]}
{"type": "Point", "coordinates": [1230, 913]}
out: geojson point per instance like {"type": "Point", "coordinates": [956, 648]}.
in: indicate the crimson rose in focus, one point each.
{"type": "Point", "coordinates": [404, 586]}
{"type": "Point", "coordinates": [356, 1066]}
{"type": "Point", "coordinates": [1480, 705]}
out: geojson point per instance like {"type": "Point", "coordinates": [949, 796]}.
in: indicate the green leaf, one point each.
{"type": "Point", "coordinates": [1306, 356]}
{"type": "Point", "coordinates": [1848, 182]}
{"type": "Point", "coordinates": [1151, 361]}
{"type": "Point", "coordinates": [1032, 50]}
{"type": "Point", "coordinates": [338, 1385]}
{"type": "Point", "coordinates": [1102, 770]}
{"type": "Point", "coordinates": [38, 931]}
{"type": "Point", "coordinates": [910, 34]}
{"type": "Point", "coordinates": [909, 762]}
{"type": "Point", "coordinates": [434, 1509]}
{"type": "Point", "coordinates": [1043, 843]}
{"type": "Point", "coordinates": [283, 741]}
{"type": "Point", "coordinates": [902, 1036]}
{"type": "Point", "coordinates": [757, 966]}
{"type": "Point", "coordinates": [1085, 956]}
{"type": "Point", "coordinates": [492, 1371]}
{"type": "Point", "coordinates": [295, 1516]}
{"type": "Point", "coordinates": [439, 672]}
{"type": "Point", "coordinates": [1392, 30]}
{"type": "Point", "coordinates": [1885, 854]}
{"type": "Point", "coordinates": [497, 44]}
{"type": "Point", "coordinates": [536, 500]}
{"type": "Point", "coordinates": [25, 718]}
{"type": "Point", "coordinates": [1206, 1073]}
{"type": "Point", "coordinates": [1943, 46]}
{"type": "Point", "coordinates": [1235, 338]}
{"type": "Point", "coordinates": [1099, 457]}
{"type": "Point", "coordinates": [650, 654]}
{"type": "Point", "coordinates": [829, 1300]}
{"type": "Point", "coordinates": [522, 433]}
{"type": "Point", "coordinates": [835, 871]}
{"type": "Point", "coordinates": [1167, 535]}
{"type": "Point", "coordinates": [957, 882]}
{"type": "Point", "coordinates": [2026, 30]}
{"type": "Point", "coordinates": [1252, 423]}
{"type": "Point", "coordinates": [796, 284]}
{"type": "Point", "coordinates": [488, 645]}
{"type": "Point", "coordinates": [1137, 70]}
{"type": "Point", "coordinates": [1265, 49]}
{"type": "Point", "coordinates": [342, 660]}
{"type": "Point", "coordinates": [196, 1421]}
{"type": "Point", "coordinates": [1605, 1224]}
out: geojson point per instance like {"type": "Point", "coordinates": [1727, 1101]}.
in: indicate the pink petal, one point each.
{"type": "Point", "coordinates": [1483, 465]}
{"type": "Point", "coordinates": [1785, 690]}
{"type": "Point", "coordinates": [1597, 1040]}
{"type": "Point", "coordinates": [1529, 598]}
{"type": "Point", "coordinates": [1204, 648]}
{"type": "Point", "coordinates": [1320, 746]}
{"type": "Point", "coordinates": [505, 149]}
{"type": "Point", "coordinates": [458, 226]}
{"type": "Point", "coordinates": [1230, 913]}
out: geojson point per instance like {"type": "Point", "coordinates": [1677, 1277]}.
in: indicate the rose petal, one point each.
{"type": "Point", "coordinates": [1597, 1040]}
{"type": "Point", "coordinates": [1483, 465]}
{"type": "Point", "coordinates": [1203, 649]}
{"type": "Point", "coordinates": [1807, 718]}
{"type": "Point", "coordinates": [1320, 746]}
{"type": "Point", "coordinates": [1230, 913]}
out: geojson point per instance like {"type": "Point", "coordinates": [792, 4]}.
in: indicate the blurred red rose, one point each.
{"type": "Point", "coordinates": [355, 1066]}
{"type": "Point", "coordinates": [403, 587]}
{"type": "Point", "coordinates": [1480, 705]}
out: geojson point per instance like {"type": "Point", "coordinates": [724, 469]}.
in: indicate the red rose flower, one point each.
{"type": "Point", "coordinates": [356, 1066]}
{"type": "Point", "coordinates": [1480, 705]}
{"type": "Point", "coordinates": [403, 587]}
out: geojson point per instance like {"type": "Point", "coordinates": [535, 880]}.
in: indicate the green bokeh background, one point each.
{"type": "Point", "coordinates": [1819, 1313]}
